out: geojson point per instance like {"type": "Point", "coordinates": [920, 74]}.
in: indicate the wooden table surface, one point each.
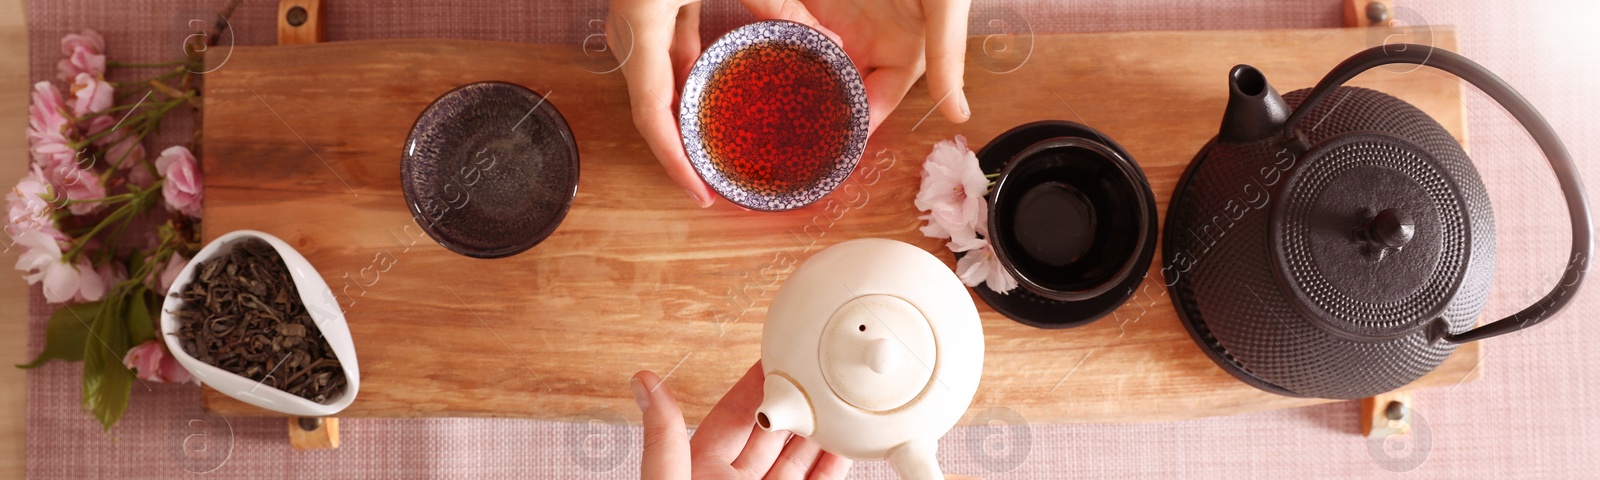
{"type": "Point", "coordinates": [13, 290]}
{"type": "Point", "coordinates": [304, 142]}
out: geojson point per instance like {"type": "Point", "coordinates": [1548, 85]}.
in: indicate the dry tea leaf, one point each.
{"type": "Point", "coordinates": [242, 313]}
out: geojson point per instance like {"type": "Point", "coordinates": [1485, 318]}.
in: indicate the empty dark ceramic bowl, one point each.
{"type": "Point", "coordinates": [490, 169]}
{"type": "Point", "coordinates": [1072, 218]}
{"type": "Point", "coordinates": [773, 116]}
{"type": "Point", "coordinates": [1066, 219]}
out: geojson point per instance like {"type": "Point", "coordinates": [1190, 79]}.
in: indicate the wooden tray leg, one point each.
{"type": "Point", "coordinates": [312, 433]}
{"type": "Point", "coordinates": [1386, 414]}
{"type": "Point", "coordinates": [1368, 13]}
{"type": "Point", "coordinates": [300, 21]}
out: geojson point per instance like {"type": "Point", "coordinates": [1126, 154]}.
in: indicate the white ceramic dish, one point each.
{"type": "Point", "coordinates": [319, 302]}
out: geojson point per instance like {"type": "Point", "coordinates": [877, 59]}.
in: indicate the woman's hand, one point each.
{"type": "Point", "coordinates": [657, 41]}
{"type": "Point", "coordinates": [727, 445]}
{"type": "Point", "coordinates": [892, 42]}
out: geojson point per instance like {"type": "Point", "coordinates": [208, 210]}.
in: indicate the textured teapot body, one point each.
{"type": "Point", "coordinates": [873, 350]}
{"type": "Point", "coordinates": [1227, 268]}
{"type": "Point", "coordinates": [1337, 242]}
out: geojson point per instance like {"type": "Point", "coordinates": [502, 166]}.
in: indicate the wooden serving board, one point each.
{"type": "Point", "coordinates": [304, 142]}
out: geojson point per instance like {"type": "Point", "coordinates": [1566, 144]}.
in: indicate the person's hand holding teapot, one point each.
{"type": "Point", "coordinates": [892, 42]}
{"type": "Point", "coordinates": [727, 445]}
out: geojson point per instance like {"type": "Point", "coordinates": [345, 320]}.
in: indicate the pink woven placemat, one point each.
{"type": "Point", "coordinates": [1530, 416]}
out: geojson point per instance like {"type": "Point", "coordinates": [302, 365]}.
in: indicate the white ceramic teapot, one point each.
{"type": "Point", "coordinates": [872, 349]}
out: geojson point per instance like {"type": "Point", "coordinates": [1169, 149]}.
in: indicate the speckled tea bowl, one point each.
{"type": "Point", "coordinates": [490, 169]}
{"type": "Point", "coordinates": [771, 91]}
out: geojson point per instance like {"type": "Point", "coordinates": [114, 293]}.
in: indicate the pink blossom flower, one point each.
{"type": "Point", "coordinates": [79, 185]}
{"type": "Point", "coordinates": [123, 150]}
{"type": "Point", "coordinates": [169, 274]}
{"type": "Point", "coordinates": [41, 261]}
{"type": "Point", "coordinates": [81, 62]}
{"type": "Point", "coordinates": [26, 207]}
{"type": "Point", "coordinates": [112, 273]}
{"type": "Point", "coordinates": [151, 362]}
{"type": "Point", "coordinates": [85, 52]}
{"type": "Point", "coordinates": [86, 40]}
{"type": "Point", "coordinates": [97, 125]}
{"type": "Point", "coordinates": [48, 128]}
{"type": "Point", "coordinates": [141, 175]}
{"type": "Point", "coordinates": [981, 266]}
{"type": "Point", "coordinates": [182, 188]}
{"type": "Point", "coordinates": [952, 194]}
{"type": "Point", "coordinates": [89, 95]}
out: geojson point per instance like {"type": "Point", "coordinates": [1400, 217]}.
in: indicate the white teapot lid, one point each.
{"type": "Point", "coordinates": [877, 352]}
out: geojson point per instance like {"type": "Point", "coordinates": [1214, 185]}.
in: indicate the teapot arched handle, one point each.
{"type": "Point", "coordinates": [1545, 136]}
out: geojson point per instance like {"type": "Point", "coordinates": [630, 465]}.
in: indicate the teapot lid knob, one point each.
{"type": "Point", "coordinates": [1392, 228]}
{"type": "Point", "coordinates": [882, 356]}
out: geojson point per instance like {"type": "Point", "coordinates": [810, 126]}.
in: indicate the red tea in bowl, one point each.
{"type": "Point", "coordinates": [773, 116]}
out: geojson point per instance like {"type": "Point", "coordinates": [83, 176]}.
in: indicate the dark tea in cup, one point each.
{"type": "Point", "coordinates": [773, 116]}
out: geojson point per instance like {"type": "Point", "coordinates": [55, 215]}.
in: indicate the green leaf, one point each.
{"type": "Point", "coordinates": [140, 329]}
{"type": "Point", "coordinates": [66, 334]}
{"type": "Point", "coordinates": [107, 383]}
{"type": "Point", "coordinates": [136, 257]}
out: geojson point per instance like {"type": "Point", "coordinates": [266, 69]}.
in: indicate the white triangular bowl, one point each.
{"type": "Point", "coordinates": [319, 302]}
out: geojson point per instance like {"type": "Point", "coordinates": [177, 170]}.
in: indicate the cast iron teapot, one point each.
{"type": "Point", "coordinates": [1337, 242]}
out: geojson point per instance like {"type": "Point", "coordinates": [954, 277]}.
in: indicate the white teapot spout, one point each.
{"type": "Point", "coordinates": [915, 460]}
{"type": "Point", "coordinates": [784, 407]}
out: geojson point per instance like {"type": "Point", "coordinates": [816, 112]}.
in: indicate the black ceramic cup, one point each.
{"type": "Point", "coordinates": [1067, 218]}
{"type": "Point", "coordinates": [490, 169]}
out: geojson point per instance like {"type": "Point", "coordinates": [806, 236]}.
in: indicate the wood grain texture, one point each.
{"type": "Point", "coordinates": [304, 142]}
{"type": "Point", "coordinates": [14, 90]}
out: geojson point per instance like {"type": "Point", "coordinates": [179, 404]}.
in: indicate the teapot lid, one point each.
{"type": "Point", "coordinates": [877, 352]}
{"type": "Point", "coordinates": [1371, 236]}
